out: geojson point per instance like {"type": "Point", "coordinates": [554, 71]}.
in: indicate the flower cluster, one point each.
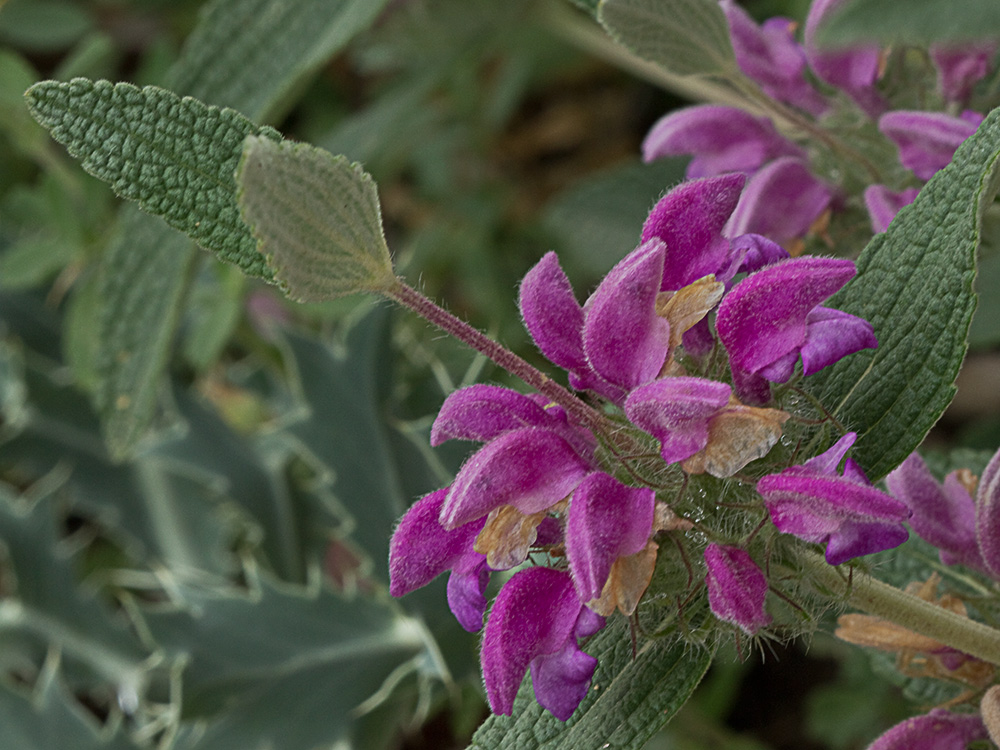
{"type": "Point", "coordinates": [551, 495]}
{"type": "Point", "coordinates": [784, 196]}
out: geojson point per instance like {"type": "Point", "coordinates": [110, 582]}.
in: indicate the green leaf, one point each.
{"type": "Point", "coordinates": [684, 37]}
{"type": "Point", "coordinates": [49, 608]}
{"type": "Point", "coordinates": [629, 699]}
{"type": "Point", "coordinates": [914, 285]}
{"type": "Point", "coordinates": [43, 25]}
{"type": "Point", "coordinates": [317, 219]}
{"type": "Point", "coordinates": [913, 22]}
{"type": "Point", "coordinates": [283, 667]}
{"type": "Point", "coordinates": [175, 157]}
{"type": "Point", "coordinates": [51, 718]}
{"type": "Point", "coordinates": [144, 279]}
{"type": "Point", "coordinates": [249, 55]}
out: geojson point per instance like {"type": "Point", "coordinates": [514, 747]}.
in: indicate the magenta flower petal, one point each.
{"type": "Point", "coordinates": [552, 314]}
{"type": "Point", "coordinates": [816, 504]}
{"type": "Point", "coordinates": [754, 251]}
{"type": "Point", "coordinates": [532, 469]}
{"type": "Point", "coordinates": [534, 615]}
{"type": "Point", "coordinates": [883, 204]}
{"type": "Point", "coordinates": [736, 588]}
{"type": "Point", "coordinates": [926, 140]}
{"type": "Point", "coordinates": [625, 340]}
{"type": "Point", "coordinates": [721, 139]}
{"type": "Point", "coordinates": [938, 730]}
{"type": "Point", "coordinates": [781, 201]}
{"type": "Point", "coordinates": [764, 321]}
{"type": "Point", "coordinates": [854, 70]}
{"type": "Point", "coordinates": [483, 412]}
{"type": "Point", "coordinates": [959, 68]}
{"type": "Point", "coordinates": [945, 515]}
{"type": "Point", "coordinates": [689, 219]}
{"type": "Point", "coordinates": [988, 515]}
{"type": "Point", "coordinates": [770, 55]}
{"type": "Point", "coordinates": [676, 411]}
{"type": "Point", "coordinates": [607, 520]}
{"type": "Point", "coordinates": [421, 549]}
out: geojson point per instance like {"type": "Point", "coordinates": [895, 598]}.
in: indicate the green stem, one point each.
{"type": "Point", "coordinates": [882, 600]}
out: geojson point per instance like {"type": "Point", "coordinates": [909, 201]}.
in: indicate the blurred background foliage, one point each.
{"type": "Point", "coordinates": [225, 585]}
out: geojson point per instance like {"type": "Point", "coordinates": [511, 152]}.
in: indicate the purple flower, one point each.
{"type": "Point", "coordinates": [938, 730]}
{"type": "Point", "coordinates": [607, 520]}
{"type": "Point", "coordinates": [721, 139]}
{"type": "Point", "coordinates": [927, 140]}
{"type": "Point", "coordinates": [944, 515]}
{"type": "Point", "coordinates": [772, 318]}
{"type": "Point", "coordinates": [781, 201]}
{"type": "Point", "coordinates": [817, 504]}
{"type": "Point", "coordinates": [736, 588]}
{"type": "Point", "coordinates": [421, 550]}
{"type": "Point", "coordinates": [770, 55]}
{"type": "Point", "coordinates": [535, 622]}
{"type": "Point", "coordinates": [883, 204]}
{"type": "Point", "coordinates": [959, 68]}
{"type": "Point", "coordinates": [613, 343]}
{"type": "Point", "coordinates": [854, 70]}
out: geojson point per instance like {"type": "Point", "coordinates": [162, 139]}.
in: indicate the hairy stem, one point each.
{"type": "Point", "coordinates": [585, 414]}
{"type": "Point", "coordinates": [882, 600]}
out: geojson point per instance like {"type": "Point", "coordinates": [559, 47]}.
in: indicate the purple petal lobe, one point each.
{"type": "Point", "coordinates": [689, 219]}
{"type": "Point", "coordinates": [764, 318]}
{"type": "Point", "coordinates": [561, 680]}
{"type": "Point", "coordinates": [625, 340]}
{"type": "Point", "coordinates": [552, 315]}
{"type": "Point", "coordinates": [754, 251]}
{"type": "Point", "coordinates": [607, 520]}
{"type": "Point", "coordinates": [532, 469]}
{"type": "Point", "coordinates": [736, 587]}
{"type": "Point", "coordinates": [781, 201]}
{"type": "Point", "coordinates": [483, 412]}
{"type": "Point", "coordinates": [676, 412]}
{"type": "Point", "coordinates": [938, 730]}
{"type": "Point", "coordinates": [466, 591]}
{"type": "Point", "coordinates": [926, 140]}
{"type": "Point", "coordinates": [831, 335]}
{"type": "Point", "coordinates": [721, 139]}
{"type": "Point", "coordinates": [534, 614]}
{"type": "Point", "coordinates": [421, 549]}
{"type": "Point", "coordinates": [883, 204]}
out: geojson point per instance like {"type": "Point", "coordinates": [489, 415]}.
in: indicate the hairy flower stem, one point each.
{"type": "Point", "coordinates": [882, 600]}
{"type": "Point", "coordinates": [585, 414]}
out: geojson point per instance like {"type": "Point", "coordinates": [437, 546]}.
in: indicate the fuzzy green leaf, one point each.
{"type": "Point", "coordinates": [629, 699]}
{"type": "Point", "coordinates": [317, 219]}
{"type": "Point", "coordinates": [914, 285]}
{"type": "Point", "coordinates": [684, 37]}
{"type": "Point", "coordinates": [175, 157]}
{"type": "Point", "coordinates": [912, 22]}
